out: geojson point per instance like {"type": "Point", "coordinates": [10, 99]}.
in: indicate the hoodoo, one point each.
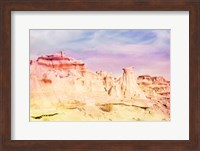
{"type": "Point", "coordinates": [126, 86]}
{"type": "Point", "coordinates": [129, 84]}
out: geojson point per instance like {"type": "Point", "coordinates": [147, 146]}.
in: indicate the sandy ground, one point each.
{"type": "Point", "coordinates": [104, 112]}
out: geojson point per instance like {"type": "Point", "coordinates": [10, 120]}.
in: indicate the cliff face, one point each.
{"type": "Point", "coordinates": [156, 89]}
{"type": "Point", "coordinates": [68, 78]}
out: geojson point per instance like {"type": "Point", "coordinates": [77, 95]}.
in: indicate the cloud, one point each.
{"type": "Point", "coordinates": [92, 39]}
{"type": "Point", "coordinates": [147, 50]}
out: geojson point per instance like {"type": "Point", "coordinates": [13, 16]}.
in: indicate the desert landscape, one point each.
{"type": "Point", "coordinates": [62, 88]}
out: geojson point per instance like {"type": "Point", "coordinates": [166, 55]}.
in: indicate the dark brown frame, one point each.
{"type": "Point", "coordinates": [193, 6]}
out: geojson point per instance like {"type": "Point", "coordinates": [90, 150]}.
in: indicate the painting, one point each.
{"type": "Point", "coordinates": [100, 75]}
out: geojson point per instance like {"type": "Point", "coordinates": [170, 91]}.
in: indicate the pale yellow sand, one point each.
{"type": "Point", "coordinates": [88, 112]}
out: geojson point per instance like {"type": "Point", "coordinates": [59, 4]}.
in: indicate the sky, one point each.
{"type": "Point", "coordinates": [148, 51]}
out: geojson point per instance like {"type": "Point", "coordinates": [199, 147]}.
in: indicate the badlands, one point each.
{"type": "Point", "coordinates": [63, 89]}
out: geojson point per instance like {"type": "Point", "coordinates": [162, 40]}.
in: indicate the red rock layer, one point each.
{"type": "Point", "coordinates": [60, 61]}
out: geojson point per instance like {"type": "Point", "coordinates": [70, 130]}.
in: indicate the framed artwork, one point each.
{"type": "Point", "coordinates": [93, 75]}
{"type": "Point", "coordinates": [94, 88]}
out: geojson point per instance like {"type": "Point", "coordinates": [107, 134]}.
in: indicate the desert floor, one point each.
{"type": "Point", "coordinates": [76, 111]}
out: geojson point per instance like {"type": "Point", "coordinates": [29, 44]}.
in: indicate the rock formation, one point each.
{"type": "Point", "coordinates": [76, 79]}
{"type": "Point", "coordinates": [57, 79]}
{"type": "Point", "coordinates": [129, 84]}
{"type": "Point", "coordinates": [126, 86]}
{"type": "Point", "coordinates": [60, 61]}
{"type": "Point", "coordinates": [156, 89]}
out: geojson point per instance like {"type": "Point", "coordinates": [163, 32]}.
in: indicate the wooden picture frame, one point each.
{"type": "Point", "coordinates": [193, 6]}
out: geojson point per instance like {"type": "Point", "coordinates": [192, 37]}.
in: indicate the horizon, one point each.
{"type": "Point", "coordinates": [148, 51]}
